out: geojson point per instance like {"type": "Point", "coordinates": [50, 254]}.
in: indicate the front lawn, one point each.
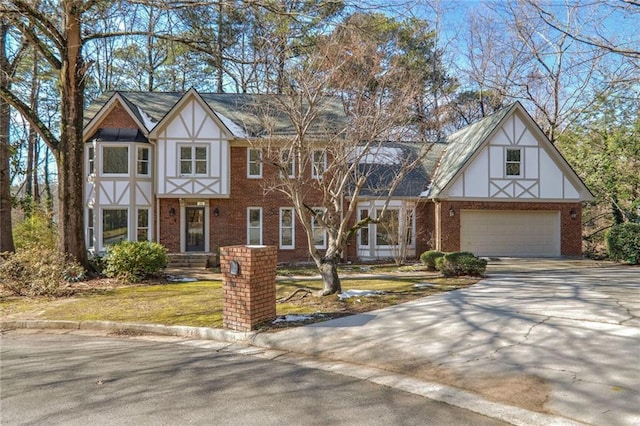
{"type": "Point", "coordinates": [200, 303]}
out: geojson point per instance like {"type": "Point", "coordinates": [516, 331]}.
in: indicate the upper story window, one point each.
{"type": "Point", "coordinates": [254, 163]}
{"type": "Point", "coordinates": [193, 160]}
{"type": "Point", "coordinates": [287, 160]}
{"type": "Point", "coordinates": [91, 154]}
{"type": "Point", "coordinates": [143, 161]}
{"type": "Point", "coordinates": [115, 160]}
{"type": "Point", "coordinates": [513, 164]}
{"type": "Point", "coordinates": [319, 163]}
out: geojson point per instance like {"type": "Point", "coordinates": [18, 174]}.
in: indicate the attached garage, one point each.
{"type": "Point", "coordinates": [510, 233]}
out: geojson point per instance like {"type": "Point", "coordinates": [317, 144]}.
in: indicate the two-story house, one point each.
{"type": "Point", "coordinates": [185, 170]}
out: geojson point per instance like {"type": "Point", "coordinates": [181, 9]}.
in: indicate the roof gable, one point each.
{"type": "Point", "coordinates": [474, 164]}
{"type": "Point", "coordinates": [97, 113]}
{"type": "Point", "coordinates": [191, 115]}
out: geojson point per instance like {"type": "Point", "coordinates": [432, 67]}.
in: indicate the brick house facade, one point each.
{"type": "Point", "coordinates": [180, 169]}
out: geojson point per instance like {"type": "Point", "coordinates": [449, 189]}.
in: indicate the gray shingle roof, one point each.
{"type": "Point", "coordinates": [414, 183]}
{"type": "Point", "coordinates": [256, 114]}
{"type": "Point", "coordinates": [461, 146]}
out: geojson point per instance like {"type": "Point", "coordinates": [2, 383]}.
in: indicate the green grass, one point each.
{"type": "Point", "coordinates": [200, 303]}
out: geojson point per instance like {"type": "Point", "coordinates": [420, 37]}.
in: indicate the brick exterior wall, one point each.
{"type": "Point", "coordinates": [249, 298]}
{"type": "Point", "coordinates": [229, 228]}
{"type": "Point", "coordinates": [169, 235]}
{"type": "Point", "coordinates": [118, 117]}
{"type": "Point", "coordinates": [571, 229]}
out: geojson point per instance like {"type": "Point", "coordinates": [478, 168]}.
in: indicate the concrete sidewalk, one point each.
{"type": "Point", "coordinates": [565, 341]}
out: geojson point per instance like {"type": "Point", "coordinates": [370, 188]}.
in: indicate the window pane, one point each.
{"type": "Point", "coordinates": [254, 217]}
{"type": "Point", "coordinates": [143, 234]}
{"type": "Point", "coordinates": [91, 153]}
{"type": "Point", "coordinates": [185, 167]}
{"type": "Point", "coordinates": [513, 169]}
{"type": "Point", "coordinates": [115, 160]}
{"type": "Point", "coordinates": [201, 167]}
{"type": "Point", "coordinates": [255, 163]}
{"type": "Point", "coordinates": [364, 231]}
{"type": "Point", "coordinates": [513, 155]}
{"type": "Point", "coordinates": [387, 228]}
{"type": "Point", "coordinates": [287, 237]}
{"type": "Point", "coordinates": [143, 161]}
{"type": "Point", "coordinates": [143, 218]}
{"type": "Point", "coordinates": [114, 226]}
{"type": "Point", "coordinates": [201, 153]}
{"type": "Point", "coordinates": [254, 236]}
{"type": "Point", "coordinates": [318, 163]}
{"type": "Point", "coordinates": [185, 153]}
{"type": "Point", "coordinates": [287, 217]}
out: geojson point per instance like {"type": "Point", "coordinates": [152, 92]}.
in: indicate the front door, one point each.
{"type": "Point", "coordinates": [195, 228]}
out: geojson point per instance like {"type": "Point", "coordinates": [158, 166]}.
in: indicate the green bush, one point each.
{"type": "Point", "coordinates": [38, 271]}
{"type": "Point", "coordinates": [461, 263]}
{"type": "Point", "coordinates": [134, 261]}
{"type": "Point", "coordinates": [429, 258]}
{"type": "Point", "coordinates": [623, 243]}
{"type": "Point", "coordinates": [36, 230]}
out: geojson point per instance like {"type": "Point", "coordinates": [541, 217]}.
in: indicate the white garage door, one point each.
{"type": "Point", "coordinates": [510, 233]}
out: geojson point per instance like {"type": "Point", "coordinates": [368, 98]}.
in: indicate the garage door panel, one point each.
{"type": "Point", "coordinates": [510, 233]}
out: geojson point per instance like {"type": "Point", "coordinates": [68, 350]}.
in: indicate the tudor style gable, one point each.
{"type": "Point", "coordinates": [192, 151]}
{"type": "Point", "coordinates": [512, 160]}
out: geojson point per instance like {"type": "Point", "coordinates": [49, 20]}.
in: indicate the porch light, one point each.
{"type": "Point", "coordinates": [172, 212]}
{"type": "Point", "coordinates": [573, 213]}
{"type": "Point", "coordinates": [216, 212]}
{"type": "Point", "coordinates": [452, 212]}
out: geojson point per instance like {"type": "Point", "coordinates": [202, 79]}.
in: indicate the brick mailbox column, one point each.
{"type": "Point", "coordinates": [248, 286]}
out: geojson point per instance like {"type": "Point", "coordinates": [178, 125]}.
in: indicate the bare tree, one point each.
{"type": "Point", "coordinates": [363, 71]}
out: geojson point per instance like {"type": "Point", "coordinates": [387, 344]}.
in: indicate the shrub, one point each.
{"type": "Point", "coordinates": [38, 271]}
{"type": "Point", "coordinates": [623, 243]}
{"type": "Point", "coordinates": [429, 258]}
{"type": "Point", "coordinates": [461, 263]}
{"type": "Point", "coordinates": [133, 261]}
{"type": "Point", "coordinates": [36, 230]}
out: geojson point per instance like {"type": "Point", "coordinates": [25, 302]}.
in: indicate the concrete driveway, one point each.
{"type": "Point", "coordinates": [555, 336]}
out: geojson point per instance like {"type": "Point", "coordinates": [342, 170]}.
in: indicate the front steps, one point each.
{"type": "Point", "coordinates": [192, 260]}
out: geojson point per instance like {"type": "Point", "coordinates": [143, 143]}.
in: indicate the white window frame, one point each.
{"type": "Point", "coordinates": [292, 227]}
{"type": "Point", "coordinates": [102, 156]}
{"type": "Point", "coordinates": [91, 160]}
{"type": "Point", "coordinates": [250, 227]}
{"type": "Point", "coordinates": [251, 162]}
{"type": "Point", "coordinates": [318, 166]}
{"type": "Point", "coordinates": [315, 226]}
{"type": "Point", "coordinates": [508, 162]}
{"type": "Point", "coordinates": [365, 229]}
{"type": "Point", "coordinates": [193, 159]}
{"type": "Point", "coordinates": [140, 161]}
{"type": "Point", "coordinates": [288, 161]}
{"type": "Point", "coordinates": [91, 229]}
{"type": "Point", "coordinates": [147, 227]}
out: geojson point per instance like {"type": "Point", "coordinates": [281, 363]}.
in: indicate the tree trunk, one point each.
{"type": "Point", "coordinates": [330, 279]}
{"type": "Point", "coordinates": [6, 230]}
{"type": "Point", "coordinates": [69, 155]}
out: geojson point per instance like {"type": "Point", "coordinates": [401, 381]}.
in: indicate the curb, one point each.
{"type": "Point", "coordinates": [433, 391]}
{"type": "Point", "coordinates": [202, 333]}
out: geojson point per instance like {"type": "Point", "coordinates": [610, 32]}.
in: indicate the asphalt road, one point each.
{"type": "Point", "coordinates": [74, 379]}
